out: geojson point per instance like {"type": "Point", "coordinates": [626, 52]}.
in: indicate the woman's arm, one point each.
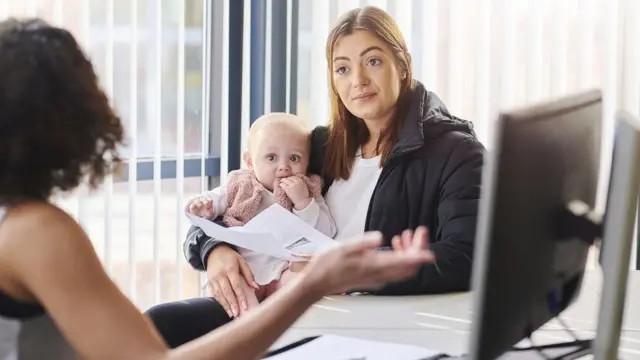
{"type": "Point", "coordinates": [198, 246]}
{"type": "Point", "coordinates": [62, 271]}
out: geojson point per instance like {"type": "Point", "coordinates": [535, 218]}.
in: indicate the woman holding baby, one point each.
{"type": "Point", "coordinates": [392, 159]}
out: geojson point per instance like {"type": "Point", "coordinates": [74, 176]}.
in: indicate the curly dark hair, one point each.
{"type": "Point", "coordinates": [57, 128]}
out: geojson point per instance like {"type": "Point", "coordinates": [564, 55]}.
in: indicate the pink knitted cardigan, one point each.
{"type": "Point", "coordinates": [244, 194]}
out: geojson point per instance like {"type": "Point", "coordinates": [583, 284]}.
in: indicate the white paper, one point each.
{"type": "Point", "coordinates": [334, 347]}
{"type": "Point", "coordinates": [296, 235]}
{"type": "Point", "coordinates": [274, 231]}
{"type": "Point", "coordinates": [264, 243]}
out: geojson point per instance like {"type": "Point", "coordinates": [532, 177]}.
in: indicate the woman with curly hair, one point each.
{"type": "Point", "coordinates": [57, 131]}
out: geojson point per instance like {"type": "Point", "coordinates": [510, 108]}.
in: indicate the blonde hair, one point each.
{"type": "Point", "coordinates": [290, 121]}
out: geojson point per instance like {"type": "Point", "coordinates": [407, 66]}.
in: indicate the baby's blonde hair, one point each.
{"type": "Point", "coordinates": [291, 121]}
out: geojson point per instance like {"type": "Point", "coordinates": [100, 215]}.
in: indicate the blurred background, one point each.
{"type": "Point", "coordinates": [188, 76]}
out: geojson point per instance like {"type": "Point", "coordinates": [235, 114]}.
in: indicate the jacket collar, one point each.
{"type": "Point", "coordinates": [426, 118]}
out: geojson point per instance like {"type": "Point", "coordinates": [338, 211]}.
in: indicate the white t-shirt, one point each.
{"type": "Point", "coordinates": [348, 200]}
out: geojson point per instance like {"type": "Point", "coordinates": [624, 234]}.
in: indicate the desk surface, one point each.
{"type": "Point", "coordinates": [443, 322]}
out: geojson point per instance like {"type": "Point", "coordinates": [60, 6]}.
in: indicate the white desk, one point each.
{"type": "Point", "coordinates": [442, 322]}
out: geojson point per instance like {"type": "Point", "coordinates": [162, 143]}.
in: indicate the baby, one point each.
{"type": "Point", "coordinates": [277, 160]}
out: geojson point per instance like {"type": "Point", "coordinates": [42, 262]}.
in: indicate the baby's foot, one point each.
{"type": "Point", "coordinates": [202, 207]}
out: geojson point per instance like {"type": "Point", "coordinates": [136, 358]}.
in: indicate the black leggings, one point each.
{"type": "Point", "coordinates": [182, 321]}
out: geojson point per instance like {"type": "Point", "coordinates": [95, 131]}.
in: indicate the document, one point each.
{"type": "Point", "coordinates": [296, 235]}
{"type": "Point", "coordinates": [275, 231]}
{"type": "Point", "coordinates": [334, 347]}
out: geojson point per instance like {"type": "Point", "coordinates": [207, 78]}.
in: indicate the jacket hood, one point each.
{"type": "Point", "coordinates": [428, 118]}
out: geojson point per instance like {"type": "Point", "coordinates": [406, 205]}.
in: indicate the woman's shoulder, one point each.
{"type": "Point", "coordinates": [429, 119]}
{"type": "Point", "coordinates": [36, 226]}
{"type": "Point", "coordinates": [319, 136]}
{"type": "Point", "coordinates": [33, 213]}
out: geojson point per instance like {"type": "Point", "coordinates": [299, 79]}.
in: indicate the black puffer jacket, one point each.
{"type": "Point", "coordinates": [432, 177]}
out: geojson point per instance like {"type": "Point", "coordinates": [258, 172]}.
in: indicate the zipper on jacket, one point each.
{"type": "Point", "coordinates": [386, 168]}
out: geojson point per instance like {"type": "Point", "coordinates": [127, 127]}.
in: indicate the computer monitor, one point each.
{"type": "Point", "coordinates": [525, 270]}
{"type": "Point", "coordinates": [617, 241]}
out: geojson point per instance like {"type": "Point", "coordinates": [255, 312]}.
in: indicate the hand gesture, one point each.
{"type": "Point", "coordinates": [359, 265]}
{"type": "Point", "coordinates": [202, 207]}
{"type": "Point", "coordinates": [297, 191]}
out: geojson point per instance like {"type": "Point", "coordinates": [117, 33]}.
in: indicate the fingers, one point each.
{"type": "Point", "coordinates": [410, 240]}
{"type": "Point", "coordinates": [229, 294]}
{"type": "Point", "coordinates": [405, 259]}
{"type": "Point", "coordinates": [407, 239]}
{"type": "Point", "coordinates": [201, 207]}
{"type": "Point", "coordinates": [238, 286]}
{"type": "Point", "coordinates": [396, 243]}
{"type": "Point", "coordinates": [394, 266]}
{"type": "Point", "coordinates": [304, 256]}
{"type": "Point", "coordinates": [286, 182]}
{"type": "Point", "coordinates": [216, 292]}
{"type": "Point", "coordinates": [291, 181]}
{"type": "Point", "coordinates": [193, 207]}
{"type": "Point", "coordinates": [248, 274]}
{"type": "Point", "coordinates": [375, 269]}
{"type": "Point", "coordinates": [420, 239]}
{"type": "Point", "coordinates": [370, 240]}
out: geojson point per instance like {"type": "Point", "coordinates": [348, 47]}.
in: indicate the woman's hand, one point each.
{"type": "Point", "coordinates": [410, 242]}
{"type": "Point", "coordinates": [226, 273]}
{"type": "Point", "coordinates": [359, 265]}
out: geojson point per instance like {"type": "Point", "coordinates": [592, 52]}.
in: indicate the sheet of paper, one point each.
{"type": "Point", "coordinates": [295, 233]}
{"type": "Point", "coordinates": [334, 347]}
{"type": "Point", "coordinates": [259, 241]}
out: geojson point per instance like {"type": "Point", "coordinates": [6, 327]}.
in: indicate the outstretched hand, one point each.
{"type": "Point", "coordinates": [357, 264]}
{"type": "Point", "coordinates": [410, 241]}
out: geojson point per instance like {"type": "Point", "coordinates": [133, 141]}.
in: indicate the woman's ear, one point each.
{"type": "Point", "coordinates": [246, 156]}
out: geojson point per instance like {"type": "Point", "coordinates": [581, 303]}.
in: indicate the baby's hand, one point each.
{"type": "Point", "coordinates": [202, 207]}
{"type": "Point", "coordinates": [297, 191]}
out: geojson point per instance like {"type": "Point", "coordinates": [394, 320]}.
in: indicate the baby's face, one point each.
{"type": "Point", "coordinates": [278, 151]}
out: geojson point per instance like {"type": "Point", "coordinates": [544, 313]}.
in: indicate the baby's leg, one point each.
{"type": "Point", "coordinates": [286, 278]}
{"type": "Point", "coordinates": [274, 286]}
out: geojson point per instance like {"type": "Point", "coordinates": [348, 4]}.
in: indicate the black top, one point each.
{"type": "Point", "coordinates": [432, 178]}
{"type": "Point", "coordinates": [14, 309]}
{"type": "Point", "coordinates": [27, 332]}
